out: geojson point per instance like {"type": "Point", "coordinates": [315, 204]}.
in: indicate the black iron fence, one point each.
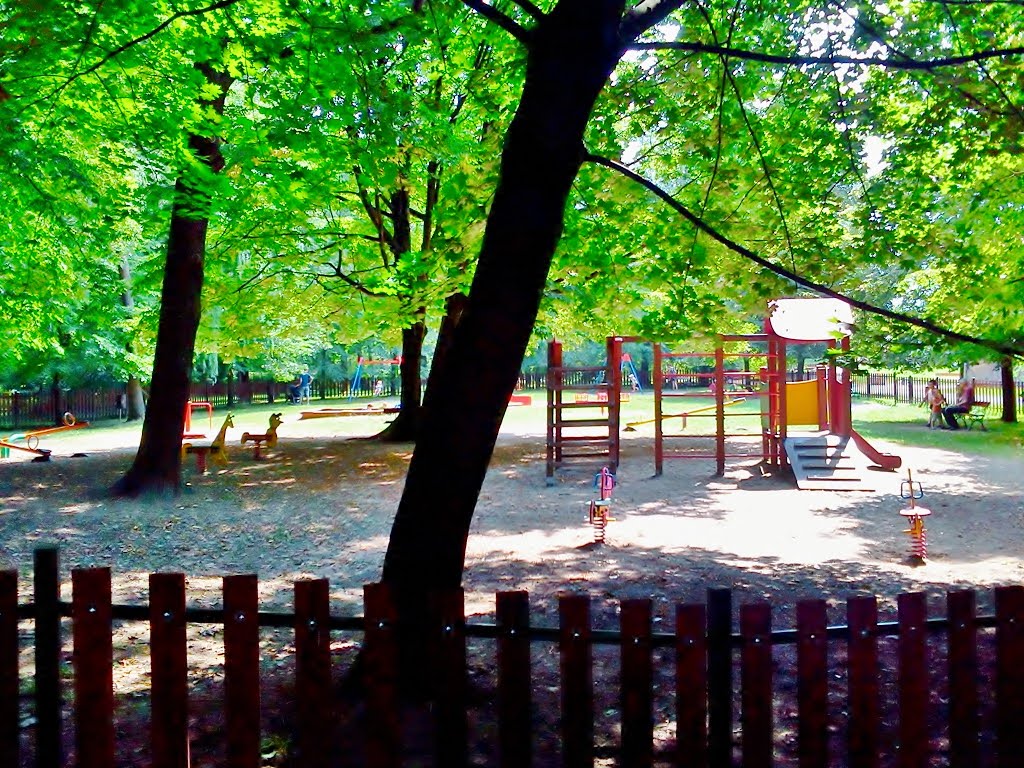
{"type": "Point", "coordinates": [910, 389]}
{"type": "Point", "coordinates": [21, 409]}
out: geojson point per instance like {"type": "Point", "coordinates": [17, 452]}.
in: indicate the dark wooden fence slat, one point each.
{"type": "Point", "coordinates": [452, 727]}
{"type": "Point", "coordinates": [46, 596]}
{"type": "Point", "coordinates": [383, 736]}
{"type": "Point", "coordinates": [720, 677]}
{"type": "Point", "coordinates": [313, 672]}
{"type": "Point", "coordinates": [168, 670]}
{"type": "Point", "coordinates": [961, 607]}
{"type": "Point", "coordinates": [812, 683]}
{"type": "Point", "coordinates": [636, 685]}
{"type": "Point", "coordinates": [514, 680]}
{"type": "Point", "coordinates": [862, 679]}
{"type": "Point", "coordinates": [1009, 675]}
{"type": "Point", "coordinates": [242, 670]}
{"type": "Point", "coordinates": [913, 680]}
{"type": "Point", "coordinates": [756, 684]}
{"type": "Point", "coordinates": [10, 687]}
{"type": "Point", "coordinates": [691, 686]}
{"type": "Point", "coordinates": [93, 663]}
{"type": "Point", "coordinates": [577, 681]}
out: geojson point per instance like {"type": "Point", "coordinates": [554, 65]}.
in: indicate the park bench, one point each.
{"type": "Point", "coordinates": [975, 417]}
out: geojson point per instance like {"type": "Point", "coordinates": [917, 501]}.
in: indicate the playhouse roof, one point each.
{"type": "Point", "coordinates": [809, 319]}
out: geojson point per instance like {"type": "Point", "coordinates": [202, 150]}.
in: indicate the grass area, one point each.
{"type": "Point", "coordinates": [908, 424]}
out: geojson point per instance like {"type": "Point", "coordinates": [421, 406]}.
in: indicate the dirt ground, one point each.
{"type": "Point", "coordinates": [322, 504]}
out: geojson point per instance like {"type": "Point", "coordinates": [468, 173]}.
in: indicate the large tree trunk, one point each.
{"type": "Point", "coordinates": [157, 465]}
{"type": "Point", "coordinates": [405, 426]}
{"type": "Point", "coordinates": [1009, 390]}
{"type": "Point", "coordinates": [571, 53]}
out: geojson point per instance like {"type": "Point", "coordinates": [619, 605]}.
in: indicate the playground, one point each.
{"type": "Point", "coordinates": [319, 503]}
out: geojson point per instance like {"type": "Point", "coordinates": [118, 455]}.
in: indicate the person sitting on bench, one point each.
{"type": "Point", "coordinates": [964, 401]}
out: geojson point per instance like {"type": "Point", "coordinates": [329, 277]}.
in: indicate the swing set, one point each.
{"type": "Point", "coordinates": [362, 363]}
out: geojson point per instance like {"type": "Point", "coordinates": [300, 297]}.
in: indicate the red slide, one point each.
{"type": "Point", "coordinates": [883, 460]}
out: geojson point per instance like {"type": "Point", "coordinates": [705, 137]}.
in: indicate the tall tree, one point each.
{"type": "Point", "coordinates": [572, 49]}
{"type": "Point", "coordinates": [157, 465]}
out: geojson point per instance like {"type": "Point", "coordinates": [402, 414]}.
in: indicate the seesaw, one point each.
{"type": "Point", "coordinates": [326, 413]}
{"type": "Point", "coordinates": [32, 438]}
{"type": "Point", "coordinates": [632, 425]}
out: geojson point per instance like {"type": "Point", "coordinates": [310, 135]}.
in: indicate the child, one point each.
{"type": "Point", "coordinates": [935, 401]}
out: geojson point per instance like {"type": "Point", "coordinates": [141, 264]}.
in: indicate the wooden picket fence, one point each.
{"type": "Point", "coordinates": [702, 646]}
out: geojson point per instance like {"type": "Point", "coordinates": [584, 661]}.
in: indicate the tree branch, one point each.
{"type": "Point", "coordinates": [216, 6]}
{"type": "Point", "coordinates": [645, 15]}
{"type": "Point", "coordinates": [495, 16]}
{"type": "Point", "coordinates": [532, 10]}
{"type": "Point", "coordinates": [793, 276]}
{"type": "Point", "coordinates": [793, 60]}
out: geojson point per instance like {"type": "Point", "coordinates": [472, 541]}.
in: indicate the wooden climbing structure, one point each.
{"type": "Point", "coordinates": [583, 411]}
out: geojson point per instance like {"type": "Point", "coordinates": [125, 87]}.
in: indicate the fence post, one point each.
{"type": "Point", "coordinates": [242, 670]}
{"type": "Point", "coordinates": [514, 689]}
{"type": "Point", "coordinates": [756, 684]}
{"type": "Point", "coordinates": [913, 681]}
{"type": "Point", "coordinates": [720, 677]}
{"type": "Point", "coordinates": [862, 681]}
{"type": "Point", "coordinates": [450, 744]}
{"type": "Point", "coordinates": [383, 737]}
{"type": "Point", "coordinates": [577, 681]}
{"type": "Point", "coordinates": [313, 671]}
{"type": "Point", "coordinates": [812, 683]}
{"type": "Point", "coordinates": [691, 686]}
{"type": "Point", "coordinates": [93, 662]}
{"type": "Point", "coordinates": [963, 679]}
{"type": "Point", "coordinates": [168, 659]}
{"type": "Point", "coordinates": [49, 752]}
{"type": "Point", "coordinates": [637, 697]}
{"type": "Point", "coordinates": [1009, 675]}
{"type": "Point", "coordinates": [10, 681]}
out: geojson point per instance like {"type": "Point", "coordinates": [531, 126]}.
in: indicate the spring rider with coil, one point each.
{"type": "Point", "coordinates": [600, 508]}
{"type": "Point", "coordinates": [911, 489]}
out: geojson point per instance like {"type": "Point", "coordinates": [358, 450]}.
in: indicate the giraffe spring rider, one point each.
{"type": "Point", "coordinates": [268, 438]}
{"type": "Point", "coordinates": [915, 515]}
{"type": "Point", "coordinates": [600, 508]}
{"type": "Point", "coordinates": [216, 449]}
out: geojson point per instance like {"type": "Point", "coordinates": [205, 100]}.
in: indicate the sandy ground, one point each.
{"type": "Point", "coordinates": [322, 505]}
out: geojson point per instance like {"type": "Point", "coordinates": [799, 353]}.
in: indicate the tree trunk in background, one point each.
{"type": "Point", "coordinates": [405, 426]}
{"type": "Point", "coordinates": [571, 53]}
{"type": "Point", "coordinates": [133, 387]}
{"type": "Point", "coordinates": [157, 465]}
{"type": "Point", "coordinates": [1009, 390]}
{"type": "Point", "coordinates": [454, 307]}
{"type": "Point", "coordinates": [136, 399]}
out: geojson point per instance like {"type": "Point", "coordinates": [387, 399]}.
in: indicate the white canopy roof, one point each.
{"type": "Point", "coordinates": [809, 319]}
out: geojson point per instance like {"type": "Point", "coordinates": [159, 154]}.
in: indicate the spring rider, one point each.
{"type": "Point", "coordinates": [915, 515]}
{"type": "Point", "coordinates": [600, 508]}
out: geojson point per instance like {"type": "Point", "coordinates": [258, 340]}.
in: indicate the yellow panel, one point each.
{"type": "Point", "coordinates": [802, 402]}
